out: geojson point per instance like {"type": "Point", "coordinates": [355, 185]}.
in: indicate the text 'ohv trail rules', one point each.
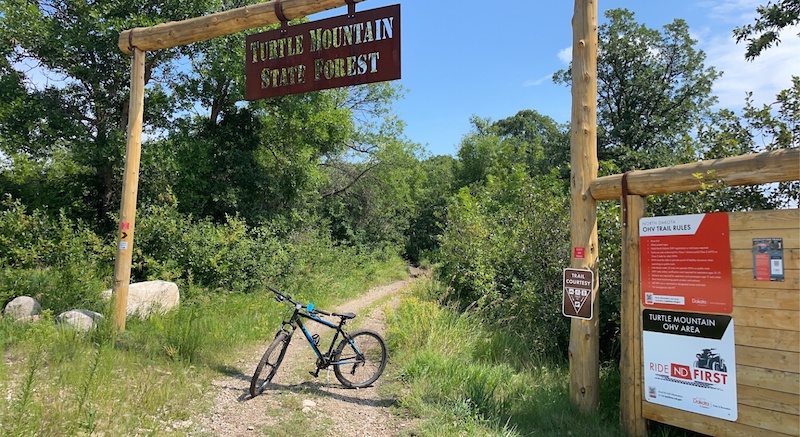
{"type": "Point", "coordinates": [686, 263]}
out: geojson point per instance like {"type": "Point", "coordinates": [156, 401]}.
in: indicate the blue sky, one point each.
{"type": "Point", "coordinates": [493, 59]}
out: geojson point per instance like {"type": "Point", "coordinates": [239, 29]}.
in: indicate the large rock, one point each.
{"type": "Point", "coordinates": [23, 308]}
{"type": "Point", "coordinates": [80, 320]}
{"type": "Point", "coordinates": [149, 297]}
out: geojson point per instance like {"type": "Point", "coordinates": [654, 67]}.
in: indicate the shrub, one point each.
{"type": "Point", "coordinates": [59, 261]}
{"type": "Point", "coordinates": [226, 257]}
{"type": "Point", "coordinates": [503, 252]}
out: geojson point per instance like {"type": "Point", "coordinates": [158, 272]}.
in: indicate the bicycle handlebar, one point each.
{"type": "Point", "coordinates": [280, 297]}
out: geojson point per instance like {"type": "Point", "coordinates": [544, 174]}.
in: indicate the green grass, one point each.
{"type": "Point", "coordinates": [448, 370]}
{"type": "Point", "coordinates": [460, 378]}
{"type": "Point", "coordinates": [61, 383]}
{"type": "Point", "coordinates": [57, 382]}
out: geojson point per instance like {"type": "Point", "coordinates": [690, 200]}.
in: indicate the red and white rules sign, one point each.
{"type": "Point", "coordinates": [686, 263]}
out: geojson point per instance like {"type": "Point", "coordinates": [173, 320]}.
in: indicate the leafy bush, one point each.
{"type": "Point", "coordinates": [226, 257]}
{"type": "Point", "coordinates": [65, 265]}
{"type": "Point", "coordinates": [61, 262]}
{"type": "Point", "coordinates": [503, 252]}
{"type": "Point", "coordinates": [33, 240]}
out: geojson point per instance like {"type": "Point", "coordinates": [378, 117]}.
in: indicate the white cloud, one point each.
{"type": "Point", "coordinates": [536, 82]}
{"type": "Point", "coordinates": [736, 12]}
{"type": "Point", "coordinates": [565, 55]}
{"type": "Point", "coordinates": [765, 76]}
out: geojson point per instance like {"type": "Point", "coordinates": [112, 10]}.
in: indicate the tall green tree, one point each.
{"type": "Point", "coordinates": [545, 144]}
{"type": "Point", "coordinates": [653, 88]}
{"type": "Point", "coordinates": [777, 126]}
{"type": "Point", "coordinates": [278, 158]}
{"type": "Point", "coordinates": [526, 140]}
{"type": "Point", "coordinates": [70, 89]}
{"type": "Point", "coordinates": [375, 203]}
{"type": "Point", "coordinates": [371, 183]}
{"type": "Point", "coordinates": [437, 186]}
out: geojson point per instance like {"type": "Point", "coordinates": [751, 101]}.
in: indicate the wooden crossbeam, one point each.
{"type": "Point", "coordinates": [178, 33]}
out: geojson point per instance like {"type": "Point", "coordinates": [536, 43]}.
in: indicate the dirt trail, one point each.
{"type": "Point", "coordinates": [299, 403]}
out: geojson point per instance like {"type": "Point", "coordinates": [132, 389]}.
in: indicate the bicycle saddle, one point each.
{"type": "Point", "coordinates": [345, 315]}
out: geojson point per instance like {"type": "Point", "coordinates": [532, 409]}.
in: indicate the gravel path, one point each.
{"type": "Point", "coordinates": [300, 404]}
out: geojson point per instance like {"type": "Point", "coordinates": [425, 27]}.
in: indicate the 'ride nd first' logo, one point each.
{"type": "Point", "coordinates": [709, 368]}
{"type": "Point", "coordinates": [680, 371]}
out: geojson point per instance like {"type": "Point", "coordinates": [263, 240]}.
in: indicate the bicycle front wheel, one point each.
{"type": "Point", "coordinates": [269, 363]}
{"type": "Point", "coordinates": [360, 360]}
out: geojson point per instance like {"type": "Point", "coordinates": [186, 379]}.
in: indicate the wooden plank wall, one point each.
{"type": "Point", "coordinates": [766, 319]}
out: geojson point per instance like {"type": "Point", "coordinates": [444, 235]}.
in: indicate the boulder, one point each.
{"type": "Point", "coordinates": [80, 320]}
{"type": "Point", "coordinates": [23, 308]}
{"type": "Point", "coordinates": [149, 297]}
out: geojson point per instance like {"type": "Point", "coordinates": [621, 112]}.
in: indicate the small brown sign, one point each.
{"type": "Point", "coordinates": [336, 52]}
{"type": "Point", "coordinates": [578, 288]}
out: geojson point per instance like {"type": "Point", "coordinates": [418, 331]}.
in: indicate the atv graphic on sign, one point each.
{"type": "Point", "coordinates": [711, 361]}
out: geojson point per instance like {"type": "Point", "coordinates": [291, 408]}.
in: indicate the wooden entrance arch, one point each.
{"type": "Point", "coordinates": [584, 342]}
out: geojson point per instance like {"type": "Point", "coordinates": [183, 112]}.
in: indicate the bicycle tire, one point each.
{"type": "Point", "coordinates": [355, 370]}
{"type": "Point", "coordinates": [271, 359]}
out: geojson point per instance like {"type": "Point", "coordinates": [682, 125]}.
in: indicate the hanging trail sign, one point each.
{"type": "Point", "coordinates": [578, 288]}
{"type": "Point", "coordinates": [336, 52]}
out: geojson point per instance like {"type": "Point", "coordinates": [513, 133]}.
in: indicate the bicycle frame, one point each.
{"type": "Point", "coordinates": [323, 359]}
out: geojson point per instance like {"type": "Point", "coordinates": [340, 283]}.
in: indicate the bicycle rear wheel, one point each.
{"type": "Point", "coordinates": [359, 361]}
{"type": "Point", "coordinates": [269, 364]}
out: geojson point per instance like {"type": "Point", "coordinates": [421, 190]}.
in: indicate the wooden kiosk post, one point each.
{"type": "Point", "coordinates": [584, 342]}
{"type": "Point", "coordinates": [139, 40]}
{"type": "Point", "coordinates": [630, 364]}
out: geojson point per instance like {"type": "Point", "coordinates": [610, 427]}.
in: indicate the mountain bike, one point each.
{"type": "Point", "coordinates": [357, 361]}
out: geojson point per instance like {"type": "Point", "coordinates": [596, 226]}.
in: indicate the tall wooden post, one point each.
{"type": "Point", "coordinates": [630, 364]}
{"type": "Point", "coordinates": [130, 189]}
{"type": "Point", "coordinates": [584, 342]}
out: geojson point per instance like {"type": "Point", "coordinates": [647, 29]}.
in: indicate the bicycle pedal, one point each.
{"type": "Point", "coordinates": [314, 374]}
